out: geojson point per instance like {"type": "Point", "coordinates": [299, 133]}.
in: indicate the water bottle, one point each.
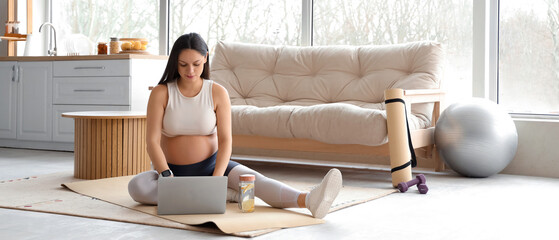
{"type": "Point", "coordinates": [246, 192]}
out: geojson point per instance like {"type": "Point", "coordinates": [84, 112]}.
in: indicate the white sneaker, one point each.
{"type": "Point", "coordinates": [321, 197]}
{"type": "Point", "coordinates": [232, 195]}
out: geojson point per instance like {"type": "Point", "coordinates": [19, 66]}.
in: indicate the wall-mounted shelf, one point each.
{"type": "Point", "coordinates": [14, 37]}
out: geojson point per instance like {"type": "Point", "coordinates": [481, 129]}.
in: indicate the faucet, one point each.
{"type": "Point", "coordinates": [50, 52]}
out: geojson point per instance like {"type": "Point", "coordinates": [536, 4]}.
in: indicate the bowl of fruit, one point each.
{"type": "Point", "coordinates": [134, 45]}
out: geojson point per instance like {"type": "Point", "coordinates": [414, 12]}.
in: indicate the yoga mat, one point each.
{"type": "Point", "coordinates": [397, 136]}
{"type": "Point", "coordinates": [108, 199]}
{"type": "Point", "coordinates": [115, 190]}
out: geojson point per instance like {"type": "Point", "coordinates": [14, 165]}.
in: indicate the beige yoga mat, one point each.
{"type": "Point", "coordinates": [108, 199]}
{"type": "Point", "coordinates": [397, 136]}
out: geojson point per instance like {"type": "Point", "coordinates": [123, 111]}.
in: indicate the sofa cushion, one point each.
{"type": "Point", "coordinates": [332, 94]}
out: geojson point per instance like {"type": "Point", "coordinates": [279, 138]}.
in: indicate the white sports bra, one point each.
{"type": "Point", "coordinates": [189, 115]}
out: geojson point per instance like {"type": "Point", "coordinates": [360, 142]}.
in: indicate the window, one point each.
{"type": "Point", "coordinates": [529, 57]}
{"type": "Point", "coordinates": [81, 24]}
{"type": "Point", "coordinates": [334, 22]}
{"type": "Point", "coordinates": [263, 21]}
{"type": "Point", "coordinates": [359, 22]}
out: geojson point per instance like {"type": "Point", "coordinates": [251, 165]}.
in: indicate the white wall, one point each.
{"type": "Point", "coordinates": [538, 149]}
{"type": "Point", "coordinates": [40, 15]}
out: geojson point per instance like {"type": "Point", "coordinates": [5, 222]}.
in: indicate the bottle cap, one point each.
{"type": "Point", "coordinates": [247, 177]}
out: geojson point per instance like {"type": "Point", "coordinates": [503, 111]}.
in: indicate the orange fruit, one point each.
{"type": "Point", "coordinates": [137, 45]}
{"type": "Point", "coordinates": [126, 46]}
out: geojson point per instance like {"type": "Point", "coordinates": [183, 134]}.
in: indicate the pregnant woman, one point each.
{"type": "Point", "coordinates": [189, 134]}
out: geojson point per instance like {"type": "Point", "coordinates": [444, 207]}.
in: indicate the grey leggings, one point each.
{"type": "Point", "coordinates": [143, 188]}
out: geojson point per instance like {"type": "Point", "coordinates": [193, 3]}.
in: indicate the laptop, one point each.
{"type": "Point", "coordinates": [191, 195]}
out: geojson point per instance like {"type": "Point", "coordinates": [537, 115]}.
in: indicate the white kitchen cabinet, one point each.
{"type": "Point", "coordinates": [93, 68]}
{"type": "Point", "coordinates": [8, 98]}
{"type": "Point", "coordinates": [34, 94]}
{"type": "Point", "coordinates": [34, 101]}
{"type": "Point", "coordinates": [91, 86]}
{"type": "Point", "coordinates": [26, 101]}
{"type": "Point", "coordinates": [92, 90]}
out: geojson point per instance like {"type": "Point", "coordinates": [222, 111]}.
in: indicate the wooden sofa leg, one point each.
{"type": "Point", "coordinates": [397, 137]}
{"type": "Point", "coordinates": [428, 151]}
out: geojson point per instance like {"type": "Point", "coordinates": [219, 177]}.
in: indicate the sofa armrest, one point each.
{"type": "Point", "coordinates": [435, 96]}
{"type": "Point", "coordinates": [423, 95]}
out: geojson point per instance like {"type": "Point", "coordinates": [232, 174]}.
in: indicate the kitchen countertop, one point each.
{"type": "Point", "coordinates": [83, 57]}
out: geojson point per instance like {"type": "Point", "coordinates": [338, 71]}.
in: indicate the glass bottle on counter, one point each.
{"type": "Point", "coordinates": [114, 46]}
{"type": "Point", "coordinates": [102, 48]}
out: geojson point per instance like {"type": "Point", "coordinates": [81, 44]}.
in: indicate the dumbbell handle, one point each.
{"type": "Point", "coordinates": [413, 182]}
{"type": "Point", "coordinates": [419, 179]}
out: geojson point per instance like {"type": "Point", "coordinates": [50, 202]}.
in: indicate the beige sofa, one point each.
{"type": "Point", "coordinates": [326, 99]}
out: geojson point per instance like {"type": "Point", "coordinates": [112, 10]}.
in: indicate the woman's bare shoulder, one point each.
{"type": "Point", "coordinates": [159, 94]}
{"type": "Point", "coordinates": [218, 90]}
{"type": "Point", "coordinates": [159, 88]}
{"type": "Point", "coordinates": [220, 95]}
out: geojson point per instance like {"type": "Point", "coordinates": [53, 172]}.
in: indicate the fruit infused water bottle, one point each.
{"type": "Point", "coordinates": [246, 192]}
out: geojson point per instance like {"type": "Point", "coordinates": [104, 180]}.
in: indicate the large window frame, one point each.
{"type": "Point", "coordinates": [485, 49]}
{"type": "Point", "coordinates": [491, 82]}
{"type": "Point", "coordinates": [164, 45]}
{"type": "Point", "coordinates": [485, 45]}
{"type": "Point", "coordinates": [485, 68]}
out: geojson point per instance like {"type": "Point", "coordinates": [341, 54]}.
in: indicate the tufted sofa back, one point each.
{"type": "Point", "coordinates": [264, 75]}
{"type": "Point", "coordinates": [330, 94]}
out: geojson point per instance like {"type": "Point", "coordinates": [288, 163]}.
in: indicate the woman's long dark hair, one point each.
{"type": "Point", "coordinates": [187, 41]}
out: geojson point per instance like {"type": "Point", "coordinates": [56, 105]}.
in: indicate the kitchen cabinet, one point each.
{"type": "Point", "coordinates": [26, 102]}
{"type": "Point", "coordinates": [34, 101]}
{"type": "Point", "coordinates": [8, 98]}
{"type": "Point", "coordinates": [90, 86]}
{"type": "Point", "coordinates": [34, 94]}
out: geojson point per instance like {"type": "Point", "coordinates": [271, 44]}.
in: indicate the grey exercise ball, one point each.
{"type": "Point", "coordinates": [476, 138]}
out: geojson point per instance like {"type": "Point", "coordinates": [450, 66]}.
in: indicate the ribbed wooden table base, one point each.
{"type": "Point", "coordinates": [110, 147]}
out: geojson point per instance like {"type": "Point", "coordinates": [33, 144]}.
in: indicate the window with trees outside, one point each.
{"type": "Point", "coordinates": [362, 22]}
{"type": "Point", "coordinates": [81, 24]}
{"type": "Point", "coordinates": [528, 69]}
{"type": "Point", "coordinates": [338, 22]}
{"type": "Point", "coordinates": [529, 56]}
{"type": "Point", "coordinates": [276, 22]}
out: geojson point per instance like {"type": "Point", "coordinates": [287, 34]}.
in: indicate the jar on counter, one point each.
{"type": "Point", "coordinates": [102, 48]}
{"type": "Point", "coordinates": [114, 46]}
{"type": "Point", "coordinates": [246, 192]}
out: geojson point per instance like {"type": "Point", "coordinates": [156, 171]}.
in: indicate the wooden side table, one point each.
{"type": "Point", "coordinates": [109, 144]}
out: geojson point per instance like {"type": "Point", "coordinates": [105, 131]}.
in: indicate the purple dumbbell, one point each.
{"type": "Point", "coordinates": [419, 181]}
